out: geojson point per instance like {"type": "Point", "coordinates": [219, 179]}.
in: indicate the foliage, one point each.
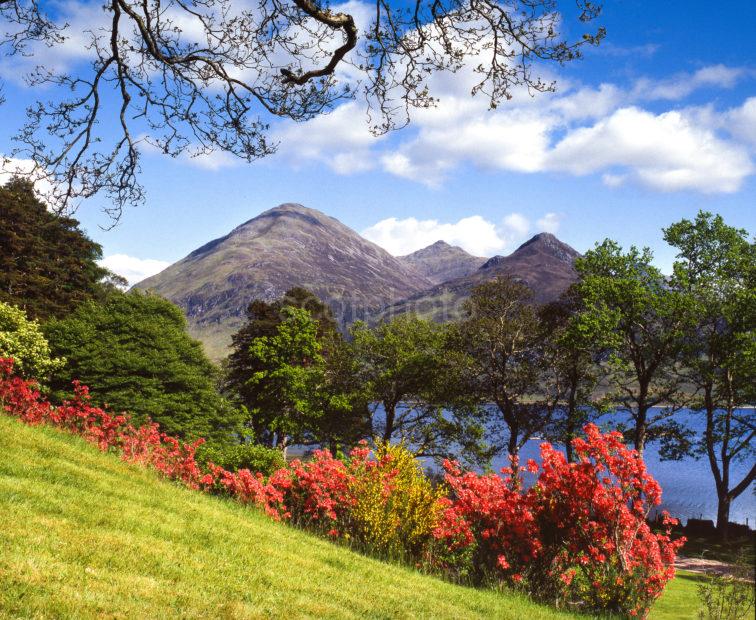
{"type": "Point", "coordinates": [302, 386]}
{"type": "Point", "coordinates": [47, 264]}
{"type": "Point", "coordinates": [715, 272]}
{"type": "Point", "coordinates": [234, 457]}
{"type": "Point", "coordinates": [322, 399]}
{"type": "Point", "coordinates": [729, 596]}
{"type": "Point", "coordinates": [502, 337]}
{"type": "Point", "coordinates": [133, 349]}
{"type": "Point", "coordinates": [637, 319]}
{"type": "Point", "coordinates": [579, 534]}
{"type": "Point", "coordinates": [23, 340]}
{"type": "Point", "coordinates": [408, 367]}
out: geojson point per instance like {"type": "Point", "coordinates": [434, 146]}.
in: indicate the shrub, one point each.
{"type": "Point", "coordinates": [578, 535]}
{"type": "Point", "coordinates": [728, 597]}
{"type": "Point", "coordinates": [22, 340]}
{"type": "Point", "coordinates": [251, 456]}
{"type": "Point", "coordinates": [395, 508]}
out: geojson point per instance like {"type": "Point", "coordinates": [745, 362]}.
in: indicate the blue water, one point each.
{"type": "Point", "coordinates": [688, 489]}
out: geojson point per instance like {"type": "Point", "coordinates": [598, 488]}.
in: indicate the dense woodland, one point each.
{"type": "Point", "coordinates": [626, 346]}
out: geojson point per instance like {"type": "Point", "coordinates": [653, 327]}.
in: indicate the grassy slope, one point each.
{"type": "Point", "coordinates": [83, 534]}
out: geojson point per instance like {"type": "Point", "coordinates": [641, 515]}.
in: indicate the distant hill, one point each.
{"type": "Point", "coordinates": [544, 263]}
{"type": "Point", "coordinates": [442, 262]}
{"type": "Point", "coordinates": [284, 247]}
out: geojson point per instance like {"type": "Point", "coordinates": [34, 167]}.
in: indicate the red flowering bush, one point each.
{"type": "Point", "coordinates": [579, 534]}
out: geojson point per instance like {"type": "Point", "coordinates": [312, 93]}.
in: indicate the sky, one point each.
{"type": "Point", "coordinates": [652, 126]}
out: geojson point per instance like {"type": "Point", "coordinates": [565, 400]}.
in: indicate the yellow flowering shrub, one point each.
{"type": "Point", "coordinates": [396, 508]}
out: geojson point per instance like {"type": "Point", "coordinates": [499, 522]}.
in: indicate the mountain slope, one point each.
{"type": "Point", "coordinates": [442, 262]}
{"type": "Point", "coordinates": [284, 247]}
{"type": "Point", "coordinates": [84, 535]}
{"type": "Point", "coordinates": [544, 263]}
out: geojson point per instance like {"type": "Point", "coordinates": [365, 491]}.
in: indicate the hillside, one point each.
{"type": "Point", "coordinates": [442, 262]}
{"type": "Point", "coordinates": [283, 247]}
{"type": "Point", "coordinates": [84, 535]}
{"type": "Point", "coordinates": [544, 263]}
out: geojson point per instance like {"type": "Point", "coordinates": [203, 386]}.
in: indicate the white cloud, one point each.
{"type": "Point", "coordinates": [741, 122]}
{"type": "Point", "coordinates": [132, 268]}
{"type": "Point", "coordinates": [666, 152]}
{"type": "Point", "coordinates": [549, 223]}
{"type": "Point", "coordinates": [684, 84]}
{"type": "Point", "coordinates": [474, 234]}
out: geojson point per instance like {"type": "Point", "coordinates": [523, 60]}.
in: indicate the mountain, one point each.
{"type": "Point", "coordinates": [544, 263]}
{"type": "Point", "coordinates": [442, 262]}
{"type": "Point", "coordinates": [284, 247]}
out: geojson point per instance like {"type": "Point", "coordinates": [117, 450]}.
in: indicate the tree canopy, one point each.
{"type": "Point", "coordinates": [47, 264]}
{"type": "Point", "coordinates": [134, 353]}
{"type": "Point", "coordinates": [211, 74]}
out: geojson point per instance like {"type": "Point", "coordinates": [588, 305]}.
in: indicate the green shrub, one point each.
{"type": "Point", "coordinates": [22, 340]}
{"type": "Point", "coordinates": [254, 457]}
{"type": "Point", "coordinates": [728, 597]}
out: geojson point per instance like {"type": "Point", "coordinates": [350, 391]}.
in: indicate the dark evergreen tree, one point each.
{"type": "Point", "coordinates": [134, 353]}
{"type": "Point", "coordinates": [47, 264]}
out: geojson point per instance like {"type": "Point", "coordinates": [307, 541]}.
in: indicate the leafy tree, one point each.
{"type": "Point", "coordinates": [716, 273]}
{"type": "Point", "coordinates": [210, 75]}
{"type": "Point", "coordinates": [502, 336]}
{"type": "Point", "coordinates": [408, 369]}
{"type": "Point", "coordinates": [47, 264]}
{"type": "Point", "coordinates": [312, 397]}
{"type": "Point", "coordinates": [631, 311]}
{"type": "Point", "coordinates": [263, 320]}
{"type": "Point", "coordinates": [24, 341]}
{"type": "Point", "coordinates": [572, 371]}
{"type": "Point", "coordinates": [134, 353]}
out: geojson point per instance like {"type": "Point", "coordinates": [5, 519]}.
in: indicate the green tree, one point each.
{"type": "Point", "coordinates": [263, 320]}
{"type": "Point", "coordinates": [631, 312]}
{"type": "Point", "coordinates": [502, 337]}
{"type": "Point", "coordinates": [134, 353]}
{"type": "Point", "coordinates": [571, 368]}
{"type": "Point", "coordinates": [716, 272]}
{"type": "Point", "coordinates": [47, 264]}
{"type": "Point", "coordinates": [409, 371]}
{"type": "Point", "coordinates": [304, 377]}
{"type": "Point", "coordinates": [23, 340]}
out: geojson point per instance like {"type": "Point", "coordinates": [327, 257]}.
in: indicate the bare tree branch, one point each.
{"type": "Point", "coordinates": [191, 77]}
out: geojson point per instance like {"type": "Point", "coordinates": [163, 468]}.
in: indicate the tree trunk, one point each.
{"type": "Point", "coordinates": [570, 425]}
{"type": "Point", "coordinates": [723, 516]}
{"type": "Point", "coordinates": [388, 431]}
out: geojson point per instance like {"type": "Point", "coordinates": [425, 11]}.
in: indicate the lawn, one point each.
{"type": "Point", "coordinates": [84, 535]}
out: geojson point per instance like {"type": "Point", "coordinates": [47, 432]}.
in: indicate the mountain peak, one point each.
{"type": "Point", "coordinates": [549, 244]}
{"type": "Point", "coordinates": [441, 261]}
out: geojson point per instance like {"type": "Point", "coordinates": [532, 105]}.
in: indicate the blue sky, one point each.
{"type": "Point", "coordinates": [655, 124]}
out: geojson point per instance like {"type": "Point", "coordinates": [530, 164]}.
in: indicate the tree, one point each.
{"type": "Point", "coordinates": [205, 75]}
{"type": "Point", "coordinates": [571, 368]}
{"type": "Point", "coordinates": [716, 273]}
{"type": "Point", "coordinates": [23, 340]}
{"type": "Point", "coordinates": [409, 371]}
{"type": "Point", "coordinates": [134, 353]}
{"type": "Point", "coordinates": [263, 320]}
{"type": "Point", "coordinates": [631, 311]}
{"type": "Point", "coordinates": [503, 338]}
{"type": "Point", "coordinates": [305, 391]}
{"type": "Point", "coordinates": [47, 264]}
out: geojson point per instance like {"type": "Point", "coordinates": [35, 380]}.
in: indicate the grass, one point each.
{"type": "Point", "coordinates": [84, 535]}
